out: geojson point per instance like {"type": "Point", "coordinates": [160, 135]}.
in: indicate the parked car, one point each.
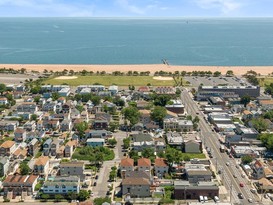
{"type": "Point", "coordinates": [250, 200]}
{"type": "Point", "coordinates": [95, 184]}
{"type": "Point", "coordinates": [240, 195]}
{"type": "Point", "coordinates": [241, 184]}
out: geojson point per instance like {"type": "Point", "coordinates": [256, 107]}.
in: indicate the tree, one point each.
{"type": "Point", "coordinates": [72, 195]}
{"type": "Point", "coordinates": [24, 168]}
{"type": "Point", "coordinates": [100, 201]}
{"type": "Point", "coordinates": [55, 96]}
{"type": "Point", "coordinates": [3, 88]}
{"type": "Point", "coordinates": [229, 73]}
{"type": "Point", "coordinates": [83, 195]}
{"type": "Point", "coordinates": [245, 99]}
{"type": "Point", "coordinates": [158, 114]}
{"type": "Point", "coordinates": [260, 124]}
{"type": "Point", "coordinates": [45, 197]}
{"type": "Point", "coordinates": [267, 139]}
{"type": "Point", "coordinates": [81, 127]}
{"type": "Point", "coordinates": [112, 142]}
{"type": "Point", "coordinates": [37, 99]}
{"type": "Point", "coordinates": [80, 108]}
{"type": "Point", "coordinates": [161, 100]}
{"type": "Point", "coordinates": [132, 114]}
{"type": "Point", "coordinates": [36, 90]}
{"type": "Point", "coordinates": [58, 197]}
{"type": "Point", "coordinates": [113, 126]}
{"type": "Point", "coordinates": [126, 143]}
{"type": "Point", "coordinates": [33, 117]}
{"type": "Point", "coordinates": [216, 73]}
{"type": "Point", "coordinates": [196, 119]}
{"type": "Point", "coordinates": [147, 152]}
{"type": "Point", "coordinates": [246, 159]}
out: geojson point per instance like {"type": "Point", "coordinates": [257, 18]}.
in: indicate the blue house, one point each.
{"type": "Point", "coordinates": [95, 142]}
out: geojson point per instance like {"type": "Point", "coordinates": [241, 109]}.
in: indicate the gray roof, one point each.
{"type": "Point", "coordinates": [141, 137]}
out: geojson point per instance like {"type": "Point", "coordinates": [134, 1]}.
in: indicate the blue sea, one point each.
{"type": "Point", "coordinates": [182, 41]}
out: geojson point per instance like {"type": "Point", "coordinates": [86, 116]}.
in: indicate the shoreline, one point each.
{"type": "Point", "coordinates": [238, 70]}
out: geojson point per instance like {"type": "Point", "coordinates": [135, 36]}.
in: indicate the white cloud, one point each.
{"type": "Point", "coordinates": [226, 6]}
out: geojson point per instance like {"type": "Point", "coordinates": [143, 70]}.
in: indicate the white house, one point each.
{"type": "Point", "coordinates": [3, 101]}
{"type": "Point", "coordinates": [62, 185]}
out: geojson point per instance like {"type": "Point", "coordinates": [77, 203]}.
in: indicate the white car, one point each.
{"type": "Point", "coordinates": [227, 163]}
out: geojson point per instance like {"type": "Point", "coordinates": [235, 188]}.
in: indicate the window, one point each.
{"type": "Point", "coordinates": [57, 186]}
{"type": "Point", "coordinates": [63, 186]}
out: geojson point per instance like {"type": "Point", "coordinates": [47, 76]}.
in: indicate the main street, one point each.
{"type": "Point", "coordinates": [231, 175]}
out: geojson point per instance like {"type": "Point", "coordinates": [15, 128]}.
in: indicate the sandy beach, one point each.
{"type": "Point", "coordinates": [238, 70]}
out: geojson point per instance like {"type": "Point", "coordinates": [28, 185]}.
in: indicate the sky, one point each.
{"type": "Point", "coordinates": [136, 8]}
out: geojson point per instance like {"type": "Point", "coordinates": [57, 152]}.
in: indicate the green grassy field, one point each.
{"type": "Point", "coordinates": [110, 80]}
{"type": "Point", "coordinates": [265, 80]}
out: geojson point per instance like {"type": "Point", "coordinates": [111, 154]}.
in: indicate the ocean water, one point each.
{"type": "Point", "coordinates": [226, 42]}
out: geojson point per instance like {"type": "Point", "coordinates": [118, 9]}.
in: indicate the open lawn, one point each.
{"type": "Point", "coordinates": [194, 155]}
{"type": "Point", "coordinates": [265, 81]}
{"type": "Point", "coordinates": [110, 80]}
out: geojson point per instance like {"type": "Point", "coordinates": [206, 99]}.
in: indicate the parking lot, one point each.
{"type": "Point", "coordinates": [195, 81]}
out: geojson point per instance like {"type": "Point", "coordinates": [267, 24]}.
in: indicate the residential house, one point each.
{"type": "Point", "coordinates": [4, 166]}
{"type": "Point", "coordinates": [54, 146]}
{"type": "Point", "coordinates": [165, 90]}
{"type": "Point", "coordinates": [60, 152]}
{"type": "Point", "coordinates": [261, 170]}
{"type": "Point", "coordinates": [66, 108]}
{"type": "Point", "coordinates": [139, 146]}
{"type": "Point", "coordinates": [30, 126]}
{"type": "Point", "coordinates": [113, 89]}
{"type": "Point", "coordinates": [144, 164]}
{"type": "Point", "coordinates": [142, 104]}
{"type": "Point", "coordinates": [47, 146]}
{"type": "Point", "coordinates": [61, 100]}
{"type": "Point", "coordinates": [8, 125]}
{"type": "Point", "coordinates": [70, 147]}
{"type": "Point", "coordinates": [33, 147]}
{"type": "Point", "coordinates": [160, 167]}
{"type": "Point", "coordinates": [19, 184]}
{"type": "Point", "coordinates": [126, 165]}
{"type": "Point", "coordinates": [145, 116]}
{"type": "Point", "coordinates": [266, 104]}
{"type": "Point", "coordinates": [20, 135]}
{"type": "Point", "coordinates": [7, 148]}
{"type": "Point", "coordinates": [73, 168]}
{"type": "Point", "coordinates": [85, 116]}
{"type": "Point", "coordinates": [66, 125]}
{"type": "Point", "coordinates": [247, 115]}
{"type": "Point", "coordinates": [20, 153]}
{"type": "Point", "coordinates": [192, 143]}
{"type": "Point", "coordinates": [41, 166]}
{"type": "Point", "coordinates": [100, 124]}
{"type": "Point", "coordinates": [62, 185]}
{"type": "Point", "coordinates": [39, 135]}
{"type": "Point", "coordinates": [251, 107]}
{"type": "Point", "coordinates": [197, 172]}
{"type": "Point", "coordinates": [3, 101]}
{"type": "Point", "coordinates": [95, 142]}
{"type": "Point", "coordinates": [97, 134]}
{"type": "Point", "coordinates": [29, 107]}
{"type": "Point", "coordinates": [136, 184]}
{"type": "Point", "coordinates": [103, 116]}
{"type": "Point", "coordinates": [49, 107]}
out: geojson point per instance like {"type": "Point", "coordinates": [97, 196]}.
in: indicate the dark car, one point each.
{"type": "Point", "coordinates": [97, 176]}
{"type": "Point", "coordinates": [240, 195]}
{"type": "Point", "coordinates": [95, 183]}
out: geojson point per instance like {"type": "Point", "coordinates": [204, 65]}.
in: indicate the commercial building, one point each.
{"type": "Point", "coordinates": [252, 91]}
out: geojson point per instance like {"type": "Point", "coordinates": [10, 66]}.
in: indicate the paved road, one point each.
{"type": "Point", "coordinates": [102, 182]}
{"type": "Point", "coordinates": [211, 140]}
